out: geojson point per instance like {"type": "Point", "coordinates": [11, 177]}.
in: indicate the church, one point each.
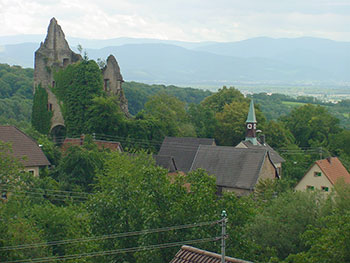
{"type": "Point", "coordinates": [236, 169]}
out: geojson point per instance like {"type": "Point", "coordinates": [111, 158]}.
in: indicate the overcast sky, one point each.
{"type": "Point", "coordinates": [187, 20]}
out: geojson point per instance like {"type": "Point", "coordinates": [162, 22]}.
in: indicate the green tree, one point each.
{"type": "Point", "coordinates": [231, 126]}
{"type": "Point", "coordinates": [106, 116]}
{"type": "Point", "coordinates": [171, 114]}
{"type": "Point", "coordinates": [203, 119]}
{"type": "Point", "coordinates": [224, 96]}
{"type": "Point", "coordinates": [280, 224]}
{"type": "Point", "coordinates": [277, 136]}
{"type": "Point", "coordinates": [311, 125]}
{"type": "Point", "coordinates": [41, 116]}
{"type": "Point", "coordinates": [78, 167]}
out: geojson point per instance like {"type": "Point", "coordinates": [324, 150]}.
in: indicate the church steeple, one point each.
{"type": "Point", "coordinates": [251, 125]}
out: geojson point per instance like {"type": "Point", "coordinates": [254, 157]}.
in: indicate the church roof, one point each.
{"type": "Point", "coordinates": [251, 114]}
{"type": "Point", "coordinates": [232, 167]}
{"type": "Point", "coordinates": [275, 157]}
{"type": "Point", "coordinates": [183, 150]}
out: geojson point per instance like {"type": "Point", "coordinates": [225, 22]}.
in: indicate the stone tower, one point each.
{"type": "Point", "coordinates": [52, 55]}
{"type": "Point", "coordinates": [113, 82]}
{"type": "Point", "coordinates": [55, 54]}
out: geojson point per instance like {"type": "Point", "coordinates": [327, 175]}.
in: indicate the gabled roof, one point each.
{"type": "Point", "coordinates": [23, 147]}
{"type": "Point", "coordinates": [189, 254]}
{"type": "Point", "coordinates": [183, 150]}
{"type": "Point", "coordinates": [333, 169]}
{"type": "Point", "coordinates": [275, 157]}
{"type": "Point", "coordinates": [165, 161]}
{"type": "Point", "coordinates": [233, 167]}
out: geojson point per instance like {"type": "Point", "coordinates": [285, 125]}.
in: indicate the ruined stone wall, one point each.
{"type": "Point", "coordinates": [113, 83]}
{"type": "Point", "coordinates": [55, 54]}
{"type": "Point", "coordinates": [52, 55]}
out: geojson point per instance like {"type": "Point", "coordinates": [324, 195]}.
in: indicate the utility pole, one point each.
{"type": "Point", "coordinates": [223, 235]}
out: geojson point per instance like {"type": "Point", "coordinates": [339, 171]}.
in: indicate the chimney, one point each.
{"type": "Point", "coordinates": [329, 159]}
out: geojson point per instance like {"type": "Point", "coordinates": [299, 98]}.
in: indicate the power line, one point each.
{"type": "Point", "coordinates": [116, 235]}
{"type": "Point", "coordinates": [117, 251]}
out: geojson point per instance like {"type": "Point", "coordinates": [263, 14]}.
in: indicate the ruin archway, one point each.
{"type": "Point", "coordinates": [58, 133]}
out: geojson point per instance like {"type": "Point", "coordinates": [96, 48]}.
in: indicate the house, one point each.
{"type": "Point", "coordinates": [323, 174]}
{"type": "Point", "coordinates": [188, 254]}
{"type": "Point", "coordinates": [24, 148]}
{"type": "Point", "coordinates": [183, 150]}
{"type": "Point", "coordinates": [236, 169]}
{"type": "Point", "coordinates": [101, 144]}
{"type": "Point", "coordinates": [251, 141]}
{"type": "Point", "coordinates": [167, 162]}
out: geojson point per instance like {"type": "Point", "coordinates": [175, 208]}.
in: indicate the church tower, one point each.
{"type": "Point", "coordinates": [251, 125]}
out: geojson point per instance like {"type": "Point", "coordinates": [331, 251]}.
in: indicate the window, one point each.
{"type": "Point", "coordinates": [31, 172]}
{"type": "Point", "coordinates": [107, 85]}
{"type": "Point", "coordinates": [49, 107]}
{"type": "Point", "coordinates": [4, 195]}
{"type": "Point", "coordinates": [310, 187]}
{"type": "Point", "coordinates": [65, 62]}
{"type": "Point", "coordinates": [325, 188]}
{"type": "Point", "coordinates": [317, 174]}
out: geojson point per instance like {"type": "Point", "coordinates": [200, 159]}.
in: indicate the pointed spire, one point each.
{"type": "Point", "coordinates": [251, 125]}
{"type": "Point", "coordinates": [251, 114]}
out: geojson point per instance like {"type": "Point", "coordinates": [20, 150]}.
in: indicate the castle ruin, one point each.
{"type": "Point", "coordinates": [55, 54]}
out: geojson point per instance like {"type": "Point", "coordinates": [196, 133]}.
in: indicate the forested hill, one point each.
{"type": "Point", "coordinates": [16, 94]}
{"type": "Point", "coordinates": [138, 94]}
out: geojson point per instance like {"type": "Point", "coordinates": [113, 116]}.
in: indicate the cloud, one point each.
{"type": "Point", "coordinates": [189, 20]}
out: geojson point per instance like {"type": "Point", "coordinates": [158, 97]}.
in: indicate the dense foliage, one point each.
{"type": "Point", "coordinates": [41, 116]}
{"type": "Point", "coordinates": [138, 94]}
{"type": "Point", "coordinates": [16, 94]}
{"type": "Point", "coordinates": [76, 87]}
{"type": "Point", "coordinates": [92, 192]}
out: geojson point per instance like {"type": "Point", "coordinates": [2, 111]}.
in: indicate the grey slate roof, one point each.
{"type": "Point", "coordinates": [183, 150]}
{"type": "Point", "coordinates": [189, 254]}
{"type": "Point", "coordinates": [165, 161]}
{"type": "Point", "coordinates": [232, 167]}
{"type": "Point", "coordinates": [275, 157]}
{"type": "Point", "coordinates": [23, 146]}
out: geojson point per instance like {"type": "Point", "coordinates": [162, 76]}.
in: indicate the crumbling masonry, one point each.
{"type": "Point", "coordinates": [54, 54]}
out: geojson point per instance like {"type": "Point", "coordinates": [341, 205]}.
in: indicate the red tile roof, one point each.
{"type": "Point", "coordinates": [333, 169]}
{"type": "Point", "coordinates": [23, 147]}
{"type": "Point", "coordinates": [189, 254]}
{"type": "Point", "coordinates": [113, 146]}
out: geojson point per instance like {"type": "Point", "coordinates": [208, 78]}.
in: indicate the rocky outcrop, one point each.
{"type": "Point", "coordinates": [113, 83]}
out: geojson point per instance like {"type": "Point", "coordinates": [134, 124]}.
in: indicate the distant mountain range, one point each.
{"type": "Point", "coordinates": [258, 60]}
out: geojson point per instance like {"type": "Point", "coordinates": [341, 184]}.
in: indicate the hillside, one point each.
{"type": "Point", "coordinates": [304, 61]}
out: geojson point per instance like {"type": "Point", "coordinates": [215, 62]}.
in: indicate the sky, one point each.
{"type": "Point", "coordinates": [185, 20]}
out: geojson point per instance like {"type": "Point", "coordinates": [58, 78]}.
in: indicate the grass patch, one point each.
{"type": "Point", "coordinates": [293, 103]}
